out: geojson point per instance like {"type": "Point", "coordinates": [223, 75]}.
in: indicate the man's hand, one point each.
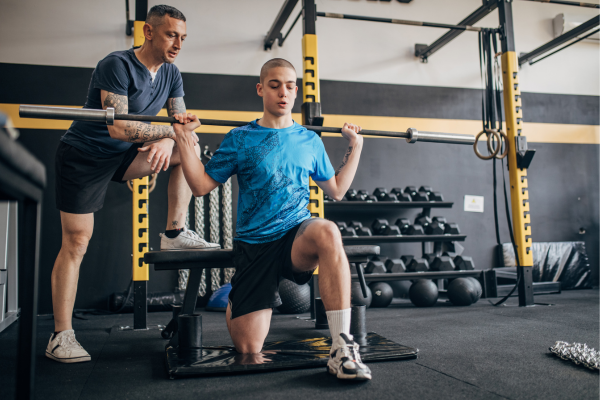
{"type": "Point", "coordinates": [159, 154]}
{"type": "Point", "coordinates": [184, 130]}
{"type": "Point", "coordinates": [350, 132]}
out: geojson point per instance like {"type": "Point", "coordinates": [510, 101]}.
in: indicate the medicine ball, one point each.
{"type": "Point", "coordinates": [219, 299]}
{"type": "Point", "coordinates": [464, 291]}
{"type": "Point", "coordinates": [357, 296]}
{"type": "Point", "coordinates": [423, 293]}
{"type": "Point", "coordinates": [382, 294]}
{"type": "Point", "coordinates": [295, 298]}
{"type": "Point", "coordinates": [400, 288]}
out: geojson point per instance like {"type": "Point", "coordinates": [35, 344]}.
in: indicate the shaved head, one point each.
{"type": "Point", "coordinates": [274, 63]}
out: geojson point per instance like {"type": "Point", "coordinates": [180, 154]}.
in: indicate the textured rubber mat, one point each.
{"type": "Point", "coordinates": [283, 355]}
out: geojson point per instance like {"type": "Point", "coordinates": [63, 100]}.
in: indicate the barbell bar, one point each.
{"type": "Point", "coordinates": [108, 117]}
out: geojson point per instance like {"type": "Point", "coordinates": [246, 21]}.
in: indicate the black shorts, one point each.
{"type": "Point", "coordinates": [82, 179]}
{"type": "Point", "coordinates": [259, 267]}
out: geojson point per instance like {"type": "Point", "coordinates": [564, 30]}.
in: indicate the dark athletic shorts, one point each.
{"type": "Point", "coordinates": [259, 267]}
{"type": "Point", "coordinates": [82, 179]}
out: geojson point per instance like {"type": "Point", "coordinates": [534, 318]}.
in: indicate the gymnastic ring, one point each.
{"type": "Point", "coordinates": [487, 132]}
{"type": "Point", "coordinates": [151, 183]}
{"type": "Point", "coordinates": [489, 142]}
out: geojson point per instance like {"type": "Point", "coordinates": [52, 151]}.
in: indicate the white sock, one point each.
{"type": "Point", "coordinates": [339, 322]}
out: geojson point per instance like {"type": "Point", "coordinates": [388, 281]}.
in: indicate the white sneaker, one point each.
{"type": "Point", "coordinates": [65, 349]}
{"type": "Point", "coordinates": [186, 240]}
{"type": "Point", "coordinates": [344, 360]}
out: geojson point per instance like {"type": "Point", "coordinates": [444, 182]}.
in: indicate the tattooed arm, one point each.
{"type": "Point", "coordinates": [133, 131]}
{"type": "Point", "coordinates": [175, 105]}
{"type": "Point", "coordinates": [337, 186]}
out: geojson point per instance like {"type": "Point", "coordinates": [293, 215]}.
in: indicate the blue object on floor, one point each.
{"type": "Point", "coordinates": [219, 299]}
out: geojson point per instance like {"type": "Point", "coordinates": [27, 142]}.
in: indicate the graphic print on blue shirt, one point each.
{"type": "Point", "coordinates": [272, 167]}
{"type": "Point", "coordinates": [122, 73]}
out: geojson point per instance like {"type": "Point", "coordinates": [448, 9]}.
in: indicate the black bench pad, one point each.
{"type": "Point", "coordinates": [224, 257]}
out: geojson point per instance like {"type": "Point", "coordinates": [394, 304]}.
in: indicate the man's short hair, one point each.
{"type": "Point", "coordinates": [157, 14]}
{"type": "Point", "coordinates": [274, 63]}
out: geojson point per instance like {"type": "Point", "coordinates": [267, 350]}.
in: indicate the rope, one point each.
{"type": "Point", "coordinates": [226, 206]}
{"type": "Point", "coordinates": [213, 212]}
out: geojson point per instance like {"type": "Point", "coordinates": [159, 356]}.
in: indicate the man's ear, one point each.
{"type": "Point", "coordinates": [259, 89]}
{"type": "Point", "coordinates": [148, 31]}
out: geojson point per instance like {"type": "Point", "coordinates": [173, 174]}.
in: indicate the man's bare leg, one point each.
{"type": "Point", "coordinates": [318, 242]}
{"type": "Point", "coordinates": [76, 233]}
{"type": "Point", "coordinates": [249, 331]}
{"type": "Point", "coordinates": [179, 192]}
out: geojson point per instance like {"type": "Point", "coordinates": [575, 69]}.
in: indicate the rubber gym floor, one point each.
{"type": "Point", "coordinates": [475, 352]}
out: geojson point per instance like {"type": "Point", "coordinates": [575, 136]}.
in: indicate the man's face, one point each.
{"type": "Point", "coordinates": [278, 91]}
{"type": "Point", "coordinates": [167, 38]}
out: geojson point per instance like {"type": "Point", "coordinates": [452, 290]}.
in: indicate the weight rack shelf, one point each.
{"type": "Point", "coordinates": [385, 205]}
{"type": "Point", "coordinates": [403, 238]}
{"type": "Point", "coordinates": [404, 276]}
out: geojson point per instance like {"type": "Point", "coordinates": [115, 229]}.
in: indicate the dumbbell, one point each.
{"type": "Point", "coordinates": [439, 219]}
{"type": "Point", "coordinates": [382, 195]}
{"type": "Point", "coordinates": [464, 263]}
{"type": "Point", "coordinates": [417, 265]}
{"type": "Point", "coordinates": [423, 220]}
{"type": "Point", "coordinates": [403, 224]}
{"type": "Point", "coordinates": [451, 228]}
{"type": "Point", "coordinates": [415, 230]}
{"type": "Point", "coordinates": [360, 229]}
{"type": "Point", "coordinates": [395, 265]}
{"type": "Point", "coordinates": [435, 228]}
{"type": "Point", "coordinates": [426, 189]}
{"type": "Point", "coordinates": [346, 230]}
{"type": "Point", "coordinates": [375, 267]}
{"type": "Point", "coordinates": [429, 258]}
{"type": "Point", "coordinates": [450, 254]}
{"type": "Point", "coordinates": [351, 195]}
{"type": "Point", "coordinates": [442, 263]}
{"type": "Point", "coordinates": [400, 195]}
{"type": "Point", "coordinates": [406, 259]}
{"type": "Point", "coordinates": [371, 199]}
{"type": "Point", "coordinates": [416, 195]}
{"type": "Point", "coordinates": [382, 227]}
{"type": "Point", "coordinates": [362, 195]}
{"type": "Point", "coordinates": [436, 196]}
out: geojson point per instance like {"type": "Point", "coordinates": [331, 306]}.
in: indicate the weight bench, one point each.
{"type": "Point", "coordinates": [198, 260]}
{"type": "Point", "coordinates": [280, 355]}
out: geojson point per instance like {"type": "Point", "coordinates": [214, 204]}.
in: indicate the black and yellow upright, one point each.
{"type": "Point", "coordinates": [141, 273]}
{"type": "Point", "coordinates": [518, 174]}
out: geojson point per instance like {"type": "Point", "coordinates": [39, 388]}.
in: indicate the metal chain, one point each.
{"type": "Point", "coordinates": [213, 213]}
{"type": "Point", "coordinates": [578, 353]}
{"type": "Point", "coordinates": [226, 204]}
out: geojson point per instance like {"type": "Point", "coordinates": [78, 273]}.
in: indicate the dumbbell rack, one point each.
{"type": "Point", "coordinates": [357, 206]}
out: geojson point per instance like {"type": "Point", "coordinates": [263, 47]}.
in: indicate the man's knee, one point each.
{"type": "Point", "coordinates": [76, 244]}
{"type": "Point", "coordinates": [248, 347]}
{"type": "Point", "coordinates": [328, 235]}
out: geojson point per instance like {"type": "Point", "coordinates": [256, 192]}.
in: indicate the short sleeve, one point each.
{"type": "Point", "coordinates": [112, 75]}
{"type": "Point", "coordinates": [223, 163]}
{"type": "Point", "coordinates": [323, 169]}
{"type": "Point", "coordinates": [177, 84]}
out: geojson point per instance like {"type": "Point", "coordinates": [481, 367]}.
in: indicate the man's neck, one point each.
{"type": "Point", "coordinates": [269, 120]}
{"type": "Point", "coordinates": [144, 55]}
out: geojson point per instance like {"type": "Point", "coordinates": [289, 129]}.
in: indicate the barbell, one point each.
{"type": "Point", "coordinates": [109, 116]}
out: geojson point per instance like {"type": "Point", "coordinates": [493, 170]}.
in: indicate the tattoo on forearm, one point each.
{"type": "Point", "coordinates": [174, 224]}
{"type": "Point", "coordinates": [138, 132]}
{"type": "Point", "coordinates": [344, 161]}
{"type": "Point", "coordinates": [119, 103]}
{"type": "Point", "coordinates": [305, 225]}
{"type": "Point", "coordinates": [175, 105]}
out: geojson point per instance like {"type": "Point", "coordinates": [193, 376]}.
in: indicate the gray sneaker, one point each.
{"type": "Point", "coordinates": [65, 348]}
{"type": "Point", "coordinates": [186, 240]}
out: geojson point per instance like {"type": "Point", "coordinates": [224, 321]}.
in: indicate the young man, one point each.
{"type": "Point", "coordinates": [90, 155]}
{"type": "Point", "coordinates": [273, 158]}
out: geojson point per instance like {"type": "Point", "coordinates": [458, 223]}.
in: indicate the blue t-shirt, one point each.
{"type": "Point", "coordinates": [122, 73]}
{"type": "Point", "coordinates": [272, 167]}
